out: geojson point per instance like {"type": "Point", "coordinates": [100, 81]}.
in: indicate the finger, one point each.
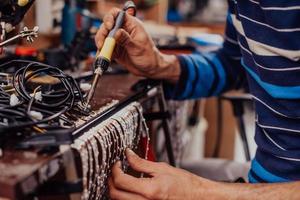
{"type": "Point", "coordinates": [141, 165]}
{"type": "Point", "coordinates": [108, 23]}
{"type": "Point", "coordinates": [100, 36]}
{"type": "Point", "coordinates": [109, 18]}
{"type": "Point", "coordinates": [122, 37]}
{"type": "Point", "coordinates": [119, 194]}
{"type": "Point", "coordinates": [118, 54]}
{"type": "Point", "coordinates": [130, 23]}
{"type": "Point", "coordinates": [129, 183]}
{"type": "Point", "coordinates": [131, 12]}
{"type": "Point", "coordinates": [114, 12]}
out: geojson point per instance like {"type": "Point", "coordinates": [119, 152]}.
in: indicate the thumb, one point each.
{"type": "Point", "coordinates": [122, 38]}
{"type": "Point", "coordinates": [139, 164]}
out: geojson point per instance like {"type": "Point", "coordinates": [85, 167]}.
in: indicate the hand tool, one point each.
{"type": "Point", "coordinates": [103, 58]}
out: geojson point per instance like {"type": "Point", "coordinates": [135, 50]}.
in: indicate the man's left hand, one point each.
{"type": "Point", "coordinates": [165, 182]}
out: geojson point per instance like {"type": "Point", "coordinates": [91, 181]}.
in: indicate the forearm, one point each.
{"type": "Point", "coordinates": [279, 191]}
{"type": "Point", "coordinates": [168, 67]}
{"type": "Point", "coordinates": [231, 191]}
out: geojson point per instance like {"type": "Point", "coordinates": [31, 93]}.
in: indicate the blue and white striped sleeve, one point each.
{"type": "Point", "coordinates": [209, 74]}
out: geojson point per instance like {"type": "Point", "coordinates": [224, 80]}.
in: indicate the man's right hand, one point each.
{"type": "Point", "coordinates": [136, 51]}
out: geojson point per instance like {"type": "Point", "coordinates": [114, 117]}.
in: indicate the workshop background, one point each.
{"type": "Point", "coordinates": [218, 130]}
{"type": "Point", "coordinates": [169, 22]}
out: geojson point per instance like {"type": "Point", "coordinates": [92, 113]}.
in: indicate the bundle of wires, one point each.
{"type": "Point", "coordinates": [46, 99]}
{"type": "Point", "coordinates": [4, 97]}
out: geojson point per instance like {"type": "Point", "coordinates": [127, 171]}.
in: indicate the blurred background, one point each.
{"type": "Point", "coordinates": [210, 128]}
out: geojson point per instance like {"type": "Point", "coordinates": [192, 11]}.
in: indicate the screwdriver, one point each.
{"type": "Point", "coordinates": [103, 57]}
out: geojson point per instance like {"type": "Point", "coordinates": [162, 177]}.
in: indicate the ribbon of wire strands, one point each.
{"type": "Point", "coordinates": [103, 145]}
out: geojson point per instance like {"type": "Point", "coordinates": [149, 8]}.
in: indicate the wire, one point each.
{"type": "Point", "coordinates": [219, 129]}
{"type": "Point", "coordinates": [21, 79]}
{"type": "Point", "coordinates": [57, 100]}
{"type": "Point", "coordinates": [32, 100]}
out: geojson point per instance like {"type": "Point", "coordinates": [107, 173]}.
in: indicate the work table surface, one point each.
{"type": "Point", "coordinates": [23, 171]}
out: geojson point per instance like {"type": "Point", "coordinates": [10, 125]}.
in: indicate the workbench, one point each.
{"type": "Point", "coordinates": [23, 172]}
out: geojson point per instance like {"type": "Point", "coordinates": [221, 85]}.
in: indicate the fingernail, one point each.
{"type": "Point", "coordinates": [130, 152]}
{"type": "Point", "coordinates": [119, 164]}
{"type": "Point", "coordinates": [109, 24]}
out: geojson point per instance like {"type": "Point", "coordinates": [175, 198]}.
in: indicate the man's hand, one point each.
{"type": "Point", "coordinates": [168, 183]}
{"type": "Point", "coordinates": [136, 51]}
{"type": "Point", "coordinates": [165, 182]}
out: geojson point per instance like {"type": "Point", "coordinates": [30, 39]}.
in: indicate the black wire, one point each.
{"type": "Point", "coordinates": [20, 82]}
{"type": "Point", "coordinates": [18, 126]}
{"type": "Point", "coordinates": [219, 129]}
{"type": "Point", "coordinates": [57, 99]}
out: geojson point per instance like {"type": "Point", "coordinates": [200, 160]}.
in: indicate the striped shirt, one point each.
{"type": "Point", "coordinates": [262, 46]}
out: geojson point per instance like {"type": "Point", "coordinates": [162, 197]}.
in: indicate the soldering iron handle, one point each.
{"type": "Point", "coordinates": [118, 23]}
{"type": "Point", "coordinates": [103, 59]}
{"type": "Point", "coordinates": [129, 5]}
{"type": "Point", "coordinates": [104, 56]}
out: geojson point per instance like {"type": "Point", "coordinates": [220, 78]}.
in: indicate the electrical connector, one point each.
{"type": "Point", "coordinates": [14, 100]}
{"type": "Point", "coordinates": [36, 115]}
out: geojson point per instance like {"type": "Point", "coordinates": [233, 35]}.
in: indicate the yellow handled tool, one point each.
{"type": "Point", "coordinates": [103, 58]}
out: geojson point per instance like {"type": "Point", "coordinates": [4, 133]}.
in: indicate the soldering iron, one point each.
{"type": "Point", "coordinates": [103, 58]}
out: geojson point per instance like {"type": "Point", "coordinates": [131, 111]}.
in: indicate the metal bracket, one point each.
{"type": "Point", "coordinates": [29, 34]}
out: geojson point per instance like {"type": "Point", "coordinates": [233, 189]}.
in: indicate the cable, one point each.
{"type": "Point", "coordinates": [219, 129]}
{"type": "Point", "coordinates": [53, 102]}
{"type": "Point", "coordinates": [32, 99]}
{"type": "Point", "coordinates": [21, 79]}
